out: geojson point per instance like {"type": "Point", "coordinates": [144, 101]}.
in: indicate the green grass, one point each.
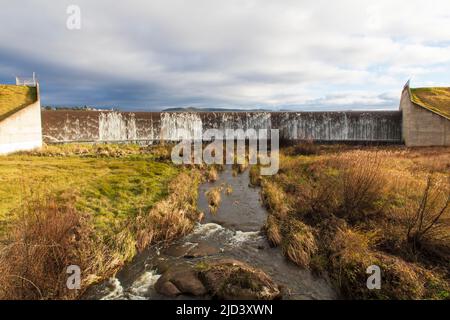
{"type": "Point", "coordinates": [110, 188]}
{"type": "Point", "coordinates": [13, 98]}
{"type": "Point", "coordinates": [97, 204]}
{"type": "Point", "coordinates": [434, 99]}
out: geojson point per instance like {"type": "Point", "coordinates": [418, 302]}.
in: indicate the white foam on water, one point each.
{"type": "Point", "coordinates": [241, 236]}
{"type": "Point", "coordinates": [116, 290]}
{"type": "Point", "coordinates": [206, 230]}
{"type": "Point", "coordinates": [141, 286]}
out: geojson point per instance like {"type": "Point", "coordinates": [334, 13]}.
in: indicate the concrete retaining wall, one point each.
{"type": "Point", "coordinates": [422, 127]}
{"type": "Point", "coordinates": [67, 125]}
{"type": "Point", "coordinates": [22, 130]}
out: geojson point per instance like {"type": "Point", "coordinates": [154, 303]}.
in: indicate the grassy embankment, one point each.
{"type": "Point", "coordinates": [92, 206]}
{"type": "Point", "coordinates": [13, 98]}
{"type": "Point", "coordinates": [337, 210]}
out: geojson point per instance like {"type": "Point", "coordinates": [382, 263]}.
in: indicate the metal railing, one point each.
{"type": "Point", "coordinates": [22, 81]}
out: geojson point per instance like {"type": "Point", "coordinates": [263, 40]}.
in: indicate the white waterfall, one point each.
{"type": "Point", "coordinates": [112, 126]}
{"type": "Point", "coordinates": [174, 124]}
{"type": "Point", "coordinates": [126, 126]}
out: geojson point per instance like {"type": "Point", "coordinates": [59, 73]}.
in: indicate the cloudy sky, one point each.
{"type": "Point", "coordinates": [277, 54]}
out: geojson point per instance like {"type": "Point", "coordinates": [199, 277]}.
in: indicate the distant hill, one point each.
{"type": "Point", "coordinates": [193, 109]}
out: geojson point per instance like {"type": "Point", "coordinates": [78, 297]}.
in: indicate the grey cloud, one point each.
{"type": "Point", "coordinates": [236, 53]}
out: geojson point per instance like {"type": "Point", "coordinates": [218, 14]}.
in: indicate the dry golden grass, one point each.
{"type": "Point", "coordinates": [39, 247]}
{"type": "Point", "coordinates": [436, 99]}
{"type": "Point", "coordinates": [255, 175]}
{"type": "Point", "coordinates": [172, 217]}
{"type": "Point", "coordinates": [13, 98]}
{"type": "Point", "coordinates": [214, 198]}
{"type": "Point", "coordinates": [275, 199]}
{"type": "Point", "coordinates": [299, 243]}
{"type": "Point", "coordinates": [211, 174]}
{"type": "Point", "coordinates": [360, 183]}
{"type": "Point", "coordinates": [352, 254]}
{"type": "Point", "coordinates": [228, 190]}
{"type": "Point", "coordinates": [273, 230]}
{"type": "Point", "coordinates": [50, 234]}
{"type": "Point", "coordinates": [363, 206]}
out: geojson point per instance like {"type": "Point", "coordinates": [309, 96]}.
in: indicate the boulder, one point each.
{"type": "Point", "coordinates": [201, 250]}
{"type": "Point", "coordinates": [178, 250]}
{"type": "Point", "coordinates": [168, 289]}
{"type": "Point", "coordinates": [225, 279]}
{"type": "Point", "coordinates": [229, 279]}
{"type": "Point", "coordinates": [184, 278]}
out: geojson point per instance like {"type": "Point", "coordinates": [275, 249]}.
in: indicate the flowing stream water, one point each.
{"type": "Point", "coordinates": [235, 232]}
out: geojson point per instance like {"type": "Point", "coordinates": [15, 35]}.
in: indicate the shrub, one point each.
{"type": "Point", "coordinates": [425, 216]}
{"type": "Point", "coordinates": [50, 235]}
{"type": "Point", "coordinates": [352, 253]}
{"type": "Point", "coordinates": [367, 208]}
{"type": "Point", "coordinates": [47, 237]}
{"type": "Point", "coordinates": [361, 184]}
{"type": "Point", "coordinates": [318, 199]}
{"type": "Point", "coordinates": [349, 257]}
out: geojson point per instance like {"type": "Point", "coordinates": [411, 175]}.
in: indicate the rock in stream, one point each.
{"type": "Point", "coordinates": [225, 279]}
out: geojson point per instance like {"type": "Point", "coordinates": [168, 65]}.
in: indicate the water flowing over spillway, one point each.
{"type": "Point", "coordinates": [67, 125]}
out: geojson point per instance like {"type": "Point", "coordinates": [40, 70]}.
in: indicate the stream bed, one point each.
{"type": "Point", "coordinates": [234, 231]}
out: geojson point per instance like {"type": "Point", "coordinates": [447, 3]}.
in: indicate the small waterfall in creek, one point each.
{"type": "Point", "coordinates": [235, 231]}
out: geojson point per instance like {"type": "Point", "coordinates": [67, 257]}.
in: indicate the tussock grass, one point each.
{"type": "Point", "coordinates": [352, 254]}
{"type": "Point", "coordinates": [48, 236]}
{"type": "Point", "coordinates": [228, 190]}
{"type": "Point", "coordinates": [255, 175]}
{"type": "Point", "coordinates": [211, 174]}
{"type": "Point", "coordinates": [273, 230]}
{"type": "Point", "coordinates": [275, 199]}
{"type": "Point", "coordinates": [299, 243]}
{"type": "Point", "coordinates": [214, 198]}
{"type": "Point", "coordinates": [172, 217]}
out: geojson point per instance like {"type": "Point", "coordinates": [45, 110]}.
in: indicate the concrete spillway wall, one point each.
{"type": "Point", "coordinates": [67, 125]}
